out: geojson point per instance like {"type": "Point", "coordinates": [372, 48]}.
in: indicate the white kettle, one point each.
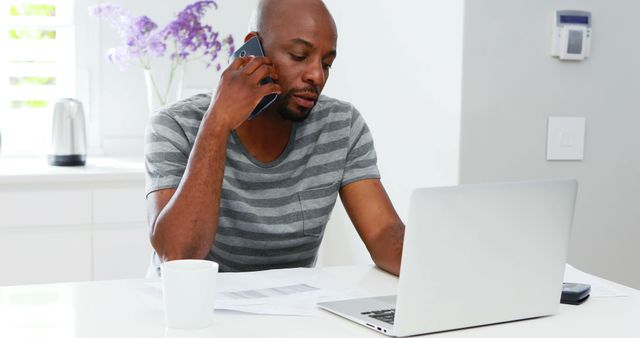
{"type": "Point", "coordinates": [68, 136]}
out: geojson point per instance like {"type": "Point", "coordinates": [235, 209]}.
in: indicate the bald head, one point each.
{"type": "Point", "coordinates": [300, 37]}
{"type": "Point", "coordinates": [270, 13]}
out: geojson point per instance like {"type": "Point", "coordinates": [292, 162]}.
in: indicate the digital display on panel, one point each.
{"type": "Point", "coordinates": [575, 19]}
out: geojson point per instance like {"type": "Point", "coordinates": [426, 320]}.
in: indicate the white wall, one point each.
{"type": "Point", "coordinates": [399, 63]}
{"type": "Point", "coordinates": [511, 85]}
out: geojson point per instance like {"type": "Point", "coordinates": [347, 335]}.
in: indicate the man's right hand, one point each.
{"type": "Point", "coordinates": [239, 91]}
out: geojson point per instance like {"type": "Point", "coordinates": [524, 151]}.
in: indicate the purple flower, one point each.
{"type": "Point", "coordinates": [135, 32]}
{"type": "Point", "coordinates": [191, 35]}
{"type": "Point", "coordinates": [143, 24]}
{"type": "Point", "coordinates": [141, 38]}
{"type": "Point", "coordinates": [156, 46]}
{"type": "Point", "coordinates": [229, 42]}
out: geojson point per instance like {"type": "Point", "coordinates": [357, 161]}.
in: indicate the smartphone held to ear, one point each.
{"type": "Point", "coordinates": [253, 47]}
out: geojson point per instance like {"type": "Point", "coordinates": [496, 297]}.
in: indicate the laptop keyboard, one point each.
{"type": "Point", "coordinates": [386, 316]}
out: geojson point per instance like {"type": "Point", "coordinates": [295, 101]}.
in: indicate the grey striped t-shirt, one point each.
{"type": "Point", "coordinates": [272, 215]}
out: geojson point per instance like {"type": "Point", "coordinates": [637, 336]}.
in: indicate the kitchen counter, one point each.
{"type": "Point", "coordinates": [97, 169]}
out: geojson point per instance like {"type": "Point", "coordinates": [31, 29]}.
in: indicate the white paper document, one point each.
{"type": "Point", "coordinates": [598, 287]}
{"type": "Point", "coordinates": [279, 292]}
{"type": "Point", "coordinates": [257, 296]}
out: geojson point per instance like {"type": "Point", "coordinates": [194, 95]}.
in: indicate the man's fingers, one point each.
{"type": "Point", "coordinates": [239, 62]}
{"type": "Point", "coordinates": [270, 88]}
{"type": "Point", "coordinates": [255, 63]}
{"type": "Point", "coordinates": [261, 73]}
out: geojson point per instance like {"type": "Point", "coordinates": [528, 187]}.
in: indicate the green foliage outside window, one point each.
{"type": "Point", "coordinates": [32, 34]}
{"type": "Point", "coordinates": [32, 80]}
{"type": "Point", "coordinates": [32, 10]}
{"type": "Point", "coordinates": [29, 104]}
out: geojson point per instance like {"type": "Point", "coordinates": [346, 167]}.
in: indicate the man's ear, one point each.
{"type": "Point", "coordinates": [250, 35]}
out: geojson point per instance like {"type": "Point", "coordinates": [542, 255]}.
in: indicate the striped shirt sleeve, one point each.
{"type": "Point", "coordinates": [361, 157]}
{"type": "Point", "coordinates": [166, 149]}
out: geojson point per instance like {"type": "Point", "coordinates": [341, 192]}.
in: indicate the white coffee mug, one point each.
{"type": "Point", "coordinates": [189, 287]}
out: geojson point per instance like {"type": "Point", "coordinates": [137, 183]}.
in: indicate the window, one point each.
{"type": "Point", "coordinates": [37, 66]}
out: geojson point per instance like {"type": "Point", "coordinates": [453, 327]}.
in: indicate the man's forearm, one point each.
{"type": "Point", "coordinates": [388, 250]}
{"type": "Point", "coordinates": [187, 225]}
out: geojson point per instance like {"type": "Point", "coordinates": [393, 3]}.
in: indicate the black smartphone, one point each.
{"type": "Point", "coordinates": [253, 47]}
{"type": "Point", "coordinates": [574, 293]}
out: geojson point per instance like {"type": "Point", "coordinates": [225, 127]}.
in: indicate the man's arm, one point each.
{"type": "Point", "coordinates": [376, 221]}
{"type": "Point", "coordinates": [184, 220]}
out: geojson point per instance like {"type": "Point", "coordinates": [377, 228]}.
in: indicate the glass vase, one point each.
{"type": "Point", "coordinates": [163, 87]}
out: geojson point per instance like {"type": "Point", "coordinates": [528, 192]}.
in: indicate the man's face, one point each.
{"type": "Point", "coordinates": [303, 48]}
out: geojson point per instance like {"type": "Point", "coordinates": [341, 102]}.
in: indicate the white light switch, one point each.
{"type": "Point", "coordinates": [565, 138]}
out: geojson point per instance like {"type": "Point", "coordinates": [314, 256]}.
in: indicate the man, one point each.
{"type": "Point", "coordinates": [254, 195]}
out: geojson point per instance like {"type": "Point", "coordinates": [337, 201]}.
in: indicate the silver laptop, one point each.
{"type": "Point", "coordinates": [475, 255]}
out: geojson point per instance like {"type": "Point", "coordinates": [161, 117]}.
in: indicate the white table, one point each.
{"type": "Point", "coordinates": [133, 308]}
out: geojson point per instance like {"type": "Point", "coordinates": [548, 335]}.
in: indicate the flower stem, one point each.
{"type": "Point", "coordinates": [174, 65]}
{"type": "Point", "coordinates": [156, 90]}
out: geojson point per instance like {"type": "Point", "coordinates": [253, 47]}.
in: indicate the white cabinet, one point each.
{"type": "Point", "coordinates": [121, 252]}
{"type": "Point", "coordinates": [45, 255]}
{"type": "Point", "coordinates": [72, 224]}
{"type": "Point", "coordinates": [119, 205]}
{"type": "Point", "coordinates": [26, 205]}
{"type": "Point", "coordinates": [121, 247]}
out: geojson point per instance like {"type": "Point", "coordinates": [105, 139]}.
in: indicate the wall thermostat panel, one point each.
{"type": "Point", "coordinates": [571, 35]}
